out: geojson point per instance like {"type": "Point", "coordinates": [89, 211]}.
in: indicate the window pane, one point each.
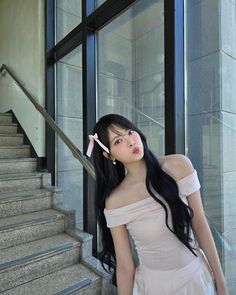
{"type": "Point", "coordinates": [211, 118]}
{"type": "Point", "coordinates": [131, 69]}
{"type": "Point", "coordinates": [68, 16]}
{"type": "Point", "coordinates": [99, 2]}
{"type": "Point", "coordinates": [69, 117]}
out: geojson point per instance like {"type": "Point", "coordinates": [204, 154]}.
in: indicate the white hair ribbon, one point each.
{"type": "Point", "coordinates": [93, 138]}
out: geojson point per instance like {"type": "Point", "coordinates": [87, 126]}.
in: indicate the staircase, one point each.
{"type": "Point", "coordinates": [41, 253]}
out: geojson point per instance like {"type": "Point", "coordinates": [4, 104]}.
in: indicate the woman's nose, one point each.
{"type": "Point", "coordinates": [131, 142]}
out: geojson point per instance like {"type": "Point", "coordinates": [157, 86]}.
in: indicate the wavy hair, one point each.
{"type": "Point", "coordinates": [109, 176]}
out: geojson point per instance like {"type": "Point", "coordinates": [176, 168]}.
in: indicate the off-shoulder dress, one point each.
{"type": "Point", "coordinates": [166, 266]}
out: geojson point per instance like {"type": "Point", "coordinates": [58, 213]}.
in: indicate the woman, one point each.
{"type": "Point", "coordinates": [157, 201]}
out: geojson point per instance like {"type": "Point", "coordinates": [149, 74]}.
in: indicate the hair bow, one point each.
{"type": "Point", "coordinates": [93, 138]}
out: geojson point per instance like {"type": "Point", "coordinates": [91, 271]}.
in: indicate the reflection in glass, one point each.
{"type": "Point", "coordinates": [99, 2]}
{"type": "Point", "coordinates": [69, 116]}
{"type": "Point", "coordinates": [131, 69]}
{"type": "Point", "coordinates": [68, 16]}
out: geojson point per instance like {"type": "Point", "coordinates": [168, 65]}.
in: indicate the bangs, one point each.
{"type": "Point", "coordinates": [113, 128]}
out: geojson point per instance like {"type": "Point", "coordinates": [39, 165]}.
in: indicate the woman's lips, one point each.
{"type": "Point", "coordinates": [136, 150]}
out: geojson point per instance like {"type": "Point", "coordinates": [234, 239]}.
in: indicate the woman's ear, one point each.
{"type": "Point", "coordinates": [105, 155]}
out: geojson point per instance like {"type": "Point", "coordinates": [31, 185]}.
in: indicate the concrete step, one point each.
{"type": "Point", "coordinates": [16, 151]}
{"type": "Point", "coordinates": [23, 181]}
{"type": "Point", "coordinates": [17, 165]}
{"type": "Point", "coordinates": [20, 229]}
{"type": "Point", "coordinates": [16, 203]}
{"type": "Point", "coordinates": [6, 128]}
{"type": "Point", "coordinates": [11, 139]}
{"type": "Point", "coordinates": [76, 279]}
{"type": "Point", "coordinates": [5, 118]}
{"type": "Point", "coordinates": [30, 261]}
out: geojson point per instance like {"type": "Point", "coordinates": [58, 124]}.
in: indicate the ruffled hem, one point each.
{"type": "Point", "coordinates": [200, 284]}
{"type": "Point", "coordinates": [194, 279]}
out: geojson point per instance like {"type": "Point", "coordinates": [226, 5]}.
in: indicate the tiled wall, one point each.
{"type": "Point", "coordinates": [211, 74]}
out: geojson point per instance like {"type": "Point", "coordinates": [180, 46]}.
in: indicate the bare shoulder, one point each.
{"type": "Point", "coordinates": [115, 199]}
{"type": "Point", "coordinates": [176, 165]}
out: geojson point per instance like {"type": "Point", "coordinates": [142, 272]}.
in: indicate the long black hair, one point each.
{"type": "Point", "coordinates": [109, 176]}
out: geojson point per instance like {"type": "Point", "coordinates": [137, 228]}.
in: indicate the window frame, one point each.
{"type": "Point", "coordinates": [93, 19]}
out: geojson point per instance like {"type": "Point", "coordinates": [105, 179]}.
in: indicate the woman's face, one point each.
{"type": "Point", "coordinates": [125, 145]}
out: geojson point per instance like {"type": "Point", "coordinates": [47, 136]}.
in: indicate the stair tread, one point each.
{"type": "Point", "coordinates": [20, 175]}
{"type": "Point", "coordinates": [27, 253]}
{"type": "Point", "coordinates": [17, 160]}
{"type": "Point", "coordinates": [23, 219]}
{"type": "Point", "coordinates": [21, 195]}
{"type": "Point", "coordinates": [20, 146]}
{"type": "Point", "coordinates": [7, 124]}
{"type": "Point", "coordinates": [35, 248]}
{"type": "Point", "coordinates": [5, 114]}
{"type": "Point", "coordinates": [57, 281]}
{"type": "Point", "coordinates": [11, 135]}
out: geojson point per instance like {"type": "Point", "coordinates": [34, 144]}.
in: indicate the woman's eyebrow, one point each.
{"type": "Point", "coordinates": [115, 138]}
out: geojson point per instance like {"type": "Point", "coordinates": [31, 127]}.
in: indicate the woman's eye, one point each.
{"type": "Point", "coordinates": [130, 132]}
{"type": "Point", "coordinates": [118, 141]}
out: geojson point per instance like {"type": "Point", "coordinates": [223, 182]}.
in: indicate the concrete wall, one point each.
{"type": "Point", "coordinates": [211, 104]}
{"type": "Point", "coordinates": [228, 98]}
{"type": "Point", "coordinates": [22, 49]}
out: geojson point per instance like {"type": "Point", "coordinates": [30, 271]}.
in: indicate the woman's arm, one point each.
{"type": "Point", "coordinates": [179, 166]}
{"type": "Point", "coordinates": [201, 228]}
{"type": "Point", "coordinates": [125, 269]}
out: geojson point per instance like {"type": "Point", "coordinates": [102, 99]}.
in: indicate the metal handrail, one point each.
{"type": "Point", "coordinates": [75, 151]}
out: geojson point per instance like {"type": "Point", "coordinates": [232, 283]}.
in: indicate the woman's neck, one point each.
{"type": "Point", "coordinates": [136, 171]}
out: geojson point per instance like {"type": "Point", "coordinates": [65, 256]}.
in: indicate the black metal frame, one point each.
{"type": "Point", "coordinates": [93, 20]}
{"type": "Point", "coordinates": [174, 77]}
{"type": "Point", "coordinates": [50, 87]}
{"type": "Point", "coordinates": [89, 115]}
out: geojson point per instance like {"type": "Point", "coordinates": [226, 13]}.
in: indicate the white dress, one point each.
{"type": "Point", "coordinates": [166, 266]}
